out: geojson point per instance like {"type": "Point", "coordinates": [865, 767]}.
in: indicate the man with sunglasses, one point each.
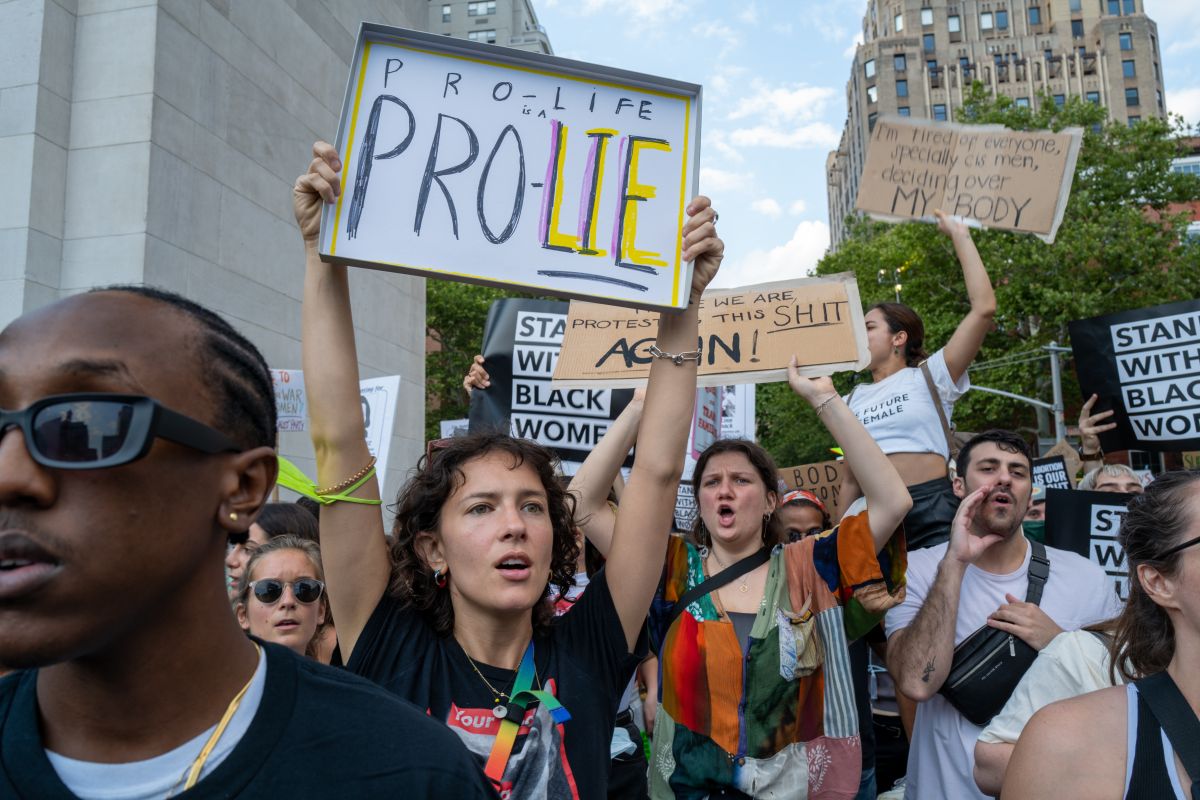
{"type": "Point", "coordinates": [127, 458]}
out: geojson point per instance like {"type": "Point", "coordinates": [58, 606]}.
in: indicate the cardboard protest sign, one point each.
{"type": "Point", "coordinates": [1087, 523]}
{"type": "Point", "coordinates": [824, 479]}
{"type": "Point", "coordinates": [471, 162]}
{"type": "Point", "coordinates": [291, 401]}
{"type": "Point", "coordinates": [1145, 365]}
{"type": "Point", "coordinates": [379, 397]}
{"type": "Point", "coordinates": [747, 335]}
{"type": "Point", "coordinates": [1051, 473]}
{"type": "Point", "coordinates": [1063, 449]}
{"type": "Point", "coordinates": [520, 347]}
{"type": "Point", "coordinates": [1012, 180]}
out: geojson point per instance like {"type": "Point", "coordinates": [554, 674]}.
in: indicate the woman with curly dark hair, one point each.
{"type": "Point", "coordinates": [456, 619]}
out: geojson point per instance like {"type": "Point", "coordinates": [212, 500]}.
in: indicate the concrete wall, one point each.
{"type": "Point", "coordinates": [157, 142]}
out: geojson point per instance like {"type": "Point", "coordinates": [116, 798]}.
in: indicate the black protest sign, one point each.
{"type": "Point", "coordinates": [1087, 523]}
{"type": "Point", "coordinates": [520, 348]}
{"type": "Point", "coordinates": [1145, 366]}
{"type": "Point", "coordinates": [1051, 473]}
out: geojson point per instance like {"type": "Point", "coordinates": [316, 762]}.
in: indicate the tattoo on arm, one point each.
{"type": "Point", "coordinates": [927, 671]}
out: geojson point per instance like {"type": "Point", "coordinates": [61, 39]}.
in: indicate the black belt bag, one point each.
{"type": "Point", "coordinates": [989, 663]}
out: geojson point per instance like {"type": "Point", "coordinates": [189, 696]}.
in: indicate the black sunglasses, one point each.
{"type": "Point", "coordinates": [305, 590]}
{"type": "Point", "coordinates": [94, 431]}
{"type": "Point", "coordinates": [1178, 547]}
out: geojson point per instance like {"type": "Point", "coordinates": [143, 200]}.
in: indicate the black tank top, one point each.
{"type": "Point", "coordinates": [1149, 779]}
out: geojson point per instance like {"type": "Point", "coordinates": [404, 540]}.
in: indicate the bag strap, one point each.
{"type": "Point", "coordinates": [1039, 571]}
{"type": "Point", "coordinates": [1175, 717]}
{"type": "Point", "coordinates": [714, 582]}
{"type": "Point", "coordinates": [951, 445]}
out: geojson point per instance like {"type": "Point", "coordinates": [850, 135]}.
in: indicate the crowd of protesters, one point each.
{"type": "Point", "coordinates": [171, 632]}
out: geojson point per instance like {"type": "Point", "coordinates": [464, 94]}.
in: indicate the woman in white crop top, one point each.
{"type": "Point", "coordinates": [897, 407]}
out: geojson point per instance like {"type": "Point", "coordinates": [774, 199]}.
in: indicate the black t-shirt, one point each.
{"type": "Point", "coordinates": [583, 661]}
{"type": "Point", "coordinates": [318, 733]}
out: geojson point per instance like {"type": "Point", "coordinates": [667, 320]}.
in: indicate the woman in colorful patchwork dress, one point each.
{"type": "Point", "coordinates": [756, 698]}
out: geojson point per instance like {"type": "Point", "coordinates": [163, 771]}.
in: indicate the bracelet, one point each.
{"type": "Point", "coordinates": [825, 402]}
{"type": "Point", "coordinates": [678, 358]}
{"type": "Point", "coordinates": [349, 481]}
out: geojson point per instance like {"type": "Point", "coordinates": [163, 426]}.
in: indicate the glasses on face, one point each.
{"type": "Point", "coordinates": [305, 590]}
{"type": "Point", "coordinates": [1178, 547]}
{"type": "Point", "coordinates": [95, 431]}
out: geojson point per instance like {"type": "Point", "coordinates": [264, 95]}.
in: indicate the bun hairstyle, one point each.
{"type": "Point", "coordinates": [1159, 519]}
{"type": "Point", "coordinates": [900, 317]}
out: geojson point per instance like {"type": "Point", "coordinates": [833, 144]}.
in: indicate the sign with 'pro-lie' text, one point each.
{"type": "Point", "coordinates": [478, 163]}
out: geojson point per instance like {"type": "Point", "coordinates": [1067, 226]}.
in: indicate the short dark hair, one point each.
{"type": "Point", "coordinates": [1005, 440]}
{"type": "Point", "coordinates": [244, 394]}
{"type": "Point", "coordinates": [900, 317]}
{"type": "Point", "coordinates": [288, 519]}
{"type": "Point", "coordinates": [762, 463]}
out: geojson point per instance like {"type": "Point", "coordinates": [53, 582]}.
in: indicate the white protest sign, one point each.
{"type": "Point", "coordinates": [453, 427]}
{"type": "Point", "coordinates": [379, 399]}
{"type": "Point", "coordinates": [477, 163]}
{"type": "Point", "coordinates": [291, 402]}
{"type": "Point", "coordinates": [738, 419]}
{"type": "Point", "coordinates": [706, 420]}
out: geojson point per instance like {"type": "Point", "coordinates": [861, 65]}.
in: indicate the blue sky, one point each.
{"type": "Point", "coordinates": [774, 74]}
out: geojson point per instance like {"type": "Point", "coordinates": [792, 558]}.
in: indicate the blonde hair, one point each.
{"type": "Point", "coordinates": [309, 549]}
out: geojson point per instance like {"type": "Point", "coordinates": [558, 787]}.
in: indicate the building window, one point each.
{"type": "Point", "coordinates": [1129, 7]}
{"type": "Point", "coordinates": [1075, 5]}
{"type": "Point", "coordinates": [939, 112]}
{"type": "Point", "coordinates": [869, 68]}
{"type": "Point", "coordinates": [1093, 98]}
{"type": "Point", "coordinates": [1128, 69]}
{"type": "Point", "coordinates": [445, 13]}
{"type": "Point", "coordinates": [901, 88]}
{"type": "Point", "coordinates": [954, 23]}
{"type": "Point", "coordinates": [899, 22]}
{"type": "Point", "coordinates": [1022, 102]}
{"type": "Point", "coordinates": [900, 62]}
{"type": "Point", "coordinates": [872, 94]}
{"type": "Point", "coordinates": [1002, 20]}
{"type": "Point", "coordinates": [1077, 28]}
{"type": "Point", "coordinates": [926, 16]}
{"type": "Point", "coordinates": [1114, 7]}
{"type": "Point", "coordinates": [928, 42]}
{"type": "Point", "coordinates": [931, 65]}
{"type": "Point", "coordinates": [481, 9]}
{"type": "Point", "coordinates": [985, 21]}
{"type": "Point", "coordinates": [904, 111]}
{"type": "Point", "coordinates": [1035, 15]}
{"type": "Point", "coordinates": [1133, 120]}
{"type": "Point", "coordinates": [1131, 97]}
{"type": "Point", "coordinates": [1060, 100]}
{"type": "Point", "coordinates": [1158, 94]}
{"type": "Point", "coordinates": [1126, 40]}
{"type": "Point", "coordinates": [871, 121]}
{"type": "Point", "coordinates": [488, 36]}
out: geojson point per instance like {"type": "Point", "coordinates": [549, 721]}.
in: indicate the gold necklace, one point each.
{"type": "Point", "coordinates": [499, 710]}
{"type": "Point", "coordinates": [745, 577]}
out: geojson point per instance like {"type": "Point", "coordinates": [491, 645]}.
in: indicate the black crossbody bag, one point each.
{"type": "Point", "coordinates": [990, 662]}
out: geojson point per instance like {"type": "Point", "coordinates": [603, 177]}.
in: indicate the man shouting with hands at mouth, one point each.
{"type": "Point", "coordinates": [979, 578]}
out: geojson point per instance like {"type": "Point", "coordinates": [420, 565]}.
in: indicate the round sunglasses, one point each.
{"type": "Point", "coordinates": [305, 590]}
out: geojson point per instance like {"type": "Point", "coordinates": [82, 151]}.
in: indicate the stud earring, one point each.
{"type": "Point", "coordinates": [233, 516]}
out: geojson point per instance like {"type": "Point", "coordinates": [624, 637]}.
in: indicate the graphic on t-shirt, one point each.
{"type": "Point", "coordinates": [880, 411]}
{"type": "Point", "coordinates": [538, 765]}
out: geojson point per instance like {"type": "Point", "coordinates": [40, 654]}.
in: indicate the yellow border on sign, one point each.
{"type": "Point", "coordinates": [683, 198]}
{"type": "Point", "coordinates": [337, 211]}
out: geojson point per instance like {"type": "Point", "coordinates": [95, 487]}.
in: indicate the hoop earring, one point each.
{"type": "Point", "coordinates": [440, 578]}
{"type": "Point", "coordinates": [895, 351]}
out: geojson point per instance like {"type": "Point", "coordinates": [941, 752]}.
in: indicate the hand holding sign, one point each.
{"type": "Point", "coordinates": [816, 390]}
{"type": "Point", "coordinates": [1090, 426]}
{"type": "Point", "coordinates": [701, 244]}
{"type": "Point", "coordinates": [320, 183]}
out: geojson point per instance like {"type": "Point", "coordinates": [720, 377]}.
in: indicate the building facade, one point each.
{"type": "Point", "coordinates": [511, 23]}
{"type": "Point", "coordinates": [157, 143]}
{"type": "Point", "coordinates": [919, 57]}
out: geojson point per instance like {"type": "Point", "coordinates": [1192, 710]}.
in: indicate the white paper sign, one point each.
{"type": "Point", "coordinates": [737, 412]}
{"type": "Point", "coordinates": [379, 399]}
{"type": "Point", "coordinates": [291, 402]}
{"type": "Point", "coordinates": [477, 163]}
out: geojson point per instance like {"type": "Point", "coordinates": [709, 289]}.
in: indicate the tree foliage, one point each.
{"type": "Point", "coordinates": [1116, 249]}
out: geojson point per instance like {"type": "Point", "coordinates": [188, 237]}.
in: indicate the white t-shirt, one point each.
{"type": "Point", "coordinates": [1075, 663]}
{"type": "Point", "coordinates": [898, 411]}
{"type": "Point", "coordinates": [941, 757]}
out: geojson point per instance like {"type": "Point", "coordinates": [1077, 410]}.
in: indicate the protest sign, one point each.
{"type": "Point", "coordinates": [1069, 455]}
{"type": "Point", "coordinates": [1087, 523]}
{"type": "Point", "coordinates": [990, 175]}
{"type": "Point", "coordinates": [1144, 365]}
{"type": "Point", "coordinates": [747, 335]}
{"type": "Point", "coordinates": [824, 479]}
{"type": "Point", "coordinates": [291, 402]}
{"type": "Point", "coordinates": [520, 347]}
{"type": "Point", "coordinates": [1051, 473]}
{"type": "Point", "coordinates": [471, 162]}
{"type": "Point", "coordinates": [379, 397]}
{"type": "Point", "coordinates": [706, 421]}
{"type": "Point", "coordinates": [453, 427]}
{"type": "Point", "coordinates": [685, 506]}
{"type": "Point", "coordinates": [1191, 459]}
{"type": "Point", "coordinates": [738, 420]}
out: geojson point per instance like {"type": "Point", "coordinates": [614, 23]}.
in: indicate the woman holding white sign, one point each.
{"type": "Point", "coordinates": [909, 404]}
{"type": "Point", "coordinates": [454, 616]}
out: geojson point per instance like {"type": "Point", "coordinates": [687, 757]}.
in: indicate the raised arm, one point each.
{"type": "Point", "coordinates": [919, 656]}
{"type": "Point", "coordinates": [887, 496]}
{"type": "Point", "coordinates": [639, 545]}
{"type": "Point", "coordinates": [596, 474]}
{"type": "Point", "coordinates": [964, 345]}
{"type": "Point", "coordinates": [353, 547]}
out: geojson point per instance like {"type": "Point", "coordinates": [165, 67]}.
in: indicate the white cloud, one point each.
{"type": "Point", "coordinates": [768, 207]}
{"type": "Point", "coordinates": [651, 11]}
{"type": "Point", "coordinates": [712, 29]}
{"type": "Point", "coordinates": [794, 259]}
{"type": "Point", "coordinates": [719, 140]}
{"type": "Point", "coordinates": [713, 180]}
{"type": "Point", "coordinates": [797, 208]}
{"type": "Point", "coordinates": [816, 134]}
{"type": "Point", "coordinates": [1185, 102]}
{"type": "Point", "coordinates": [749, 14]}
{"type": "Point", "coordinates": [726, 78]}
{"type": "Point", "coordinates": [795, 102]}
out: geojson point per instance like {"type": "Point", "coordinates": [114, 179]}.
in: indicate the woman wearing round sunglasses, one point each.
{"type": "Point", "coordinates": [281, 594]}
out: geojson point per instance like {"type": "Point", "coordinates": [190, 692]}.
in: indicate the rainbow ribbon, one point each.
{"type": "Point", "coordinates": [522, 696]}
